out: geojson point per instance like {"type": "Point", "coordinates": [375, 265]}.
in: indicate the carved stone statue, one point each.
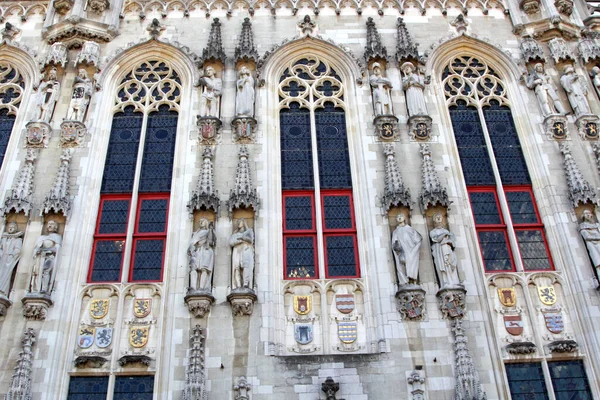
{"type": "Point", "coordinates": [47, 95]}
{"type": "Point", "coordinates": [590, 232]}
{"type": "Point", "coordinates": [201, 254]}
{"type": "Point", "coordinates": [381, 92]}
{"type": "Point", "coordinates": [444, 258]}
{"type": "Point", "coordinates": [406, 242]}
{"type": "Point", "coordinates": [595, 74]}
{"type": "Point", "coordinates": [242, 256]}
{"type": "Point", "coordinates": [10, 253]}
{"type": "Point", "coordinates": [80, 99]}
{"type": "Point", "coordinates": [576, 91]}
{"type": "Point", "coordinates": [244, 100]}
{"type": "Point", "coordinates": [414, 84]}
{"type": "Point", "coordinates": [46, 250]}
{"type": "Point", "coordinates": [545, 91]}
{"type": "Point", "coordinates": [211, 94]}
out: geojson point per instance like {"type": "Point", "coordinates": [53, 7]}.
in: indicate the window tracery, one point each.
{"type": "Point", "coordinates": [11, 93]}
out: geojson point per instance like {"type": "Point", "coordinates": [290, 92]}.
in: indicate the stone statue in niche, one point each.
{"type": "Point", "coordinates": [80, 98]}
{"type": "Point", "coordinates": [46, 250]}
{"type": "Point", "coordinates": [576, 91]}
{"type": "Point", "coordinates": [381, 91]}
{"type": "Point", "coordinates": [47, 95]}
{"type": "Point", "coordinates": [595, 74]}
{"type": "Point", "coordinates": [590, 232]}
{"type": "Point", "coordinates": [406, 243]}
{"type": "Point", "coordinates": [10, 253]}
{"type": "Point", "coordinates": [201, 254]}
{"type": "Point", "coordinates": [545, 91]}
{"type": "Point", "coordinates": [244, 100]}
{"type": "Point", "coordinates": [414, 84]}
{"type": "Point", "coordinates": [242, 256]}
{"type": "Point", "coordinates": [211, 94]}
{"type": "Point", "coordinates": [443, 244]}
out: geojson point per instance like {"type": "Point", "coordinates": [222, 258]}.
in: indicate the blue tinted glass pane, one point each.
{"type": "Point", "coordinates": [108, 256]}
{"type": "Point", "coordinates": [153, 216]}
{"type": "Point", "coordinates": [300, 257]}
{"type": "Point", "coordinates": [495, 250]}
{"type": "Point", "coordinates": [114, 216]}
{"type": "Point", "coordinates": [341, 256]}
{"type": "Point", "coordinates": [332, 144]}
{"type": "Point", "coordinates": [569, 380]}
{"type": "Point", "coordinates": [472, 150]}
{"type": "Point", "coordinates": [148, 259]}
{"type": "Point", "coordinates": [507, 149]}
{"type": "Point", "coordinates": [485, 208]}
{"type": "Point", "coordinates": [533, 249]}
{"type": "Point", "coordinates": [298, 213]}
{"type": "Point", "coordinates": [88, 388]}
{"type": "Point", "coordinates": [159, 149]}
{"type": "Point", "coordinates": [521, 208]}
{"type": "Point", "coordinates": [119, 168]}
{"type": "Point", "coordinates": [296, 153]}
{"type": "Point", "coordinates": [526, 381]}
{"type": "Point", "coordinates": [6, 125]}
{"type": "Point", "coordinates": [134, 387]}
{"type": "Point", "coordinates": [337, 212]}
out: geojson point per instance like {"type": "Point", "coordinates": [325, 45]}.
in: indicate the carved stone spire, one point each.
{"type": "Point", "coordinates": [467, 385]}
{"type": "Point", "coordinates": [406, 50]}
{"type": "Point", "coordinates": [20, 197]}
{"type": "Point", "coordinates": [394, 193]}
{"type": "Point", "coordinates": [580, 191]}
{"type": "Point", "coordinates": [214, 50]}
{"type": "Point", "coordinates": [432, 191]}
{"type": "Point", "coordinates": [20, 384]}
{"type": "Point", "coordinates": [374, 49]}
{"type": "Point", "coordinates": [244, 194]}
{"type": "Point", "coordinates": [58, 199]}
{"type": "Point", "coordinates": [246, 49]}
{"type": "Point", "coordinates": [205, 197]}
{"type": "Point", "coordinates": [195, 380]}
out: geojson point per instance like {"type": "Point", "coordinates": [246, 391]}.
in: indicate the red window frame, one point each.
{"type": "Point", "coordinates": [300, 232]}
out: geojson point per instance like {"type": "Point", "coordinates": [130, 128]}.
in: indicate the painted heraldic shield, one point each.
{"type": "Point", "coordinates": [347, 332]}
{"type": "Point", "coordinates": [142, 307]}
{"type": "Point", "coordinates": [303, 333]}
{"type": "Point", "coordinates": [104, 337]}
{"type": "Point", "coordinates": [99, 308]}
{"type": "Point", "coordinates": [547, 295]}
{"type": "Point", "coordinates": [138, 336]}
{"type": "Point", "coordinates": [86, 337]}
{"type": "Point", "coordinates": [344, 303]}
{"type": "Point", "coordinates": [302, 304]}
{"type": "Point", "coordinates": [554, 322]}
{"type": "Point", "coordinates": [507, 296]}
{"type": "Point", "coordinates": [513, 324]}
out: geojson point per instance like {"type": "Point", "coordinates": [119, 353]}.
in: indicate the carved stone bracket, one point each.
{"type": "Point", "coordinates": [209, 130]}
{"type": "Point", "coordinates": [411, 302]}
{"type": "Point", "coordinates": [564, 6]}
{"type": "Point", "coordinates": [556, 126]}
{"type": "Point", "coordinates": [72, 133]}
{"type": "Point", "coordinates": [98, 6]}
{"type": "Point", "coordinates": [530, 6]}
{"type": "Point", "coordinates": [563, 346]}
{"type": "Point", "coordinates": [63, 6]}
{"type": "Point", "coordinates": [74, 31]}
{"type": "Point", "coordinates": [135, 359]}
{"type": "Point", "coordinates": [57, 55]}
{"type": "Point", "coordinates": [452, 302]}
{"type": "Point", "coordinates": [38, 134]}
{"type": "Point", "coordinates": [89, 361]}
{"type": "Point", "coordinates": [589, 51]}
{"type": "Point", "coordinates": [587, 126]}
{"type": "Point", "coordinates": [35, 306]}
{"type": "Point", "coordinates": [5, 303]}
{"type": "Point", "coordinates": [419, 127]}
{"type": "Point", "coordinates": [89, 54]}
{"type": "Point", "coordinates": [242, 301]}
{"type": "Point", "coordinates": [242, 389]}
{"type": "Point", "coordinates": [199, 302]}
{"type": "Point", "coordinates": [387, 128]}
{"type": "Point", "coordinates": [244, 129]}
{"type": "Point", "coordinates": [521, 348]}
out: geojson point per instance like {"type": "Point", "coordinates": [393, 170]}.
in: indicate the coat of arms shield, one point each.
{"type": "Point", "coordinates": [414, 308]}
{"type": "Point", "coordinates": [142, 307]}
{"type": "Point", "coordinates": [302, 304]}
{"type": "Point", "coordinates": [554, 322]}
{"type": "Point", "coordinates": [547, 295]}
{"type": "Point", "coordinates": [138, 336]}
{"type": "Point", "coordinates": [104, 337]}
{"type": "Point", "coordinates": [85, 338]}
{"type": "Point", "coordinates": [347, 331]}
{"type": "Point", "coordinates": [99, 308]}
{"type": "Point", "coordinates": [507, 296]}
{"type": "Point", "coordinates": [513, 324]}
{"type": "Point", "coordinates": [303, 333]}
{"type": "Point", "coordinates": [344, 303]}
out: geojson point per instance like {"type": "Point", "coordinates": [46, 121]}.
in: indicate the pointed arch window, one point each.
{"type": "Point", "coordinates": [131, 228]}
{"type": "Point", "coordinates": [510, 232]}
{"type": "Point", "coordinates": [319, 229]}
{"type": "Point", "coordinates": [11, 93]}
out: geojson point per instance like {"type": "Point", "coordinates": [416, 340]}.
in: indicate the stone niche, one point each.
{"type": "Point", "coordinates": [347, 330]}
{"type": "Point", "coordinates": [242, 298]}
{"type": "Point", "coordinates": [303, 310]}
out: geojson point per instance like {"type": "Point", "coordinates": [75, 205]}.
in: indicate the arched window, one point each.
{"type": "Point", "coordinates": [11, 93]}
{"type": "Point", "coordinates": [494, 169]}
{"type": "Point", "coordinates": [131, 228]}
{"type": "Point", "coordinates": [319, 230]}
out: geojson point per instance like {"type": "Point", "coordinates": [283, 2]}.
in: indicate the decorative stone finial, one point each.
{"type": "Point", "coordinates": [416, 380]}
{"type": "Point", "coordinates": [395, 194]}
{"type": "Point", "coordinates": [432, 191]}
{"type": "Point", "coordinates": [241, 388]}
{"type": "Point", "coordinates": [531, 50]}
{"type": "Point", "coordinates": [205, 197]}
{"type": "Point", "coordinates": [374, 50]}
{"type": "Point", "coordinates": [244, 195]}
{"type": "Point", "coordinates": [406, 50]}
{"type": "Point", "coordinates": [214, 50]}
{"type": "Point", "coordinates": [460, 23]}
{"type": "Point", "coordinates": [195, 378]}
{"type": "Point", "coordinates": [580, 191]}
{"type": "Point", "coordinates": [155, 28]}
{"type": "Point", "coordinates": [307, 27]}
{"type": "Point", "coordinates": [20, 197]}
{"type": "Point", "coordinates": [58, 199]}
{"type": "Point", "coordinates": [467, 381]}
{"type": "Point", "coordinates": [246, 49]}
{"type": "Point", "coordinates": [20, 384]}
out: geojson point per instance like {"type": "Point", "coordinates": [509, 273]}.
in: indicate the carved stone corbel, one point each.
{"type": "Point", "coordinates": [452, 302]}
{"type": "Point", "coordinates": [411, 302]}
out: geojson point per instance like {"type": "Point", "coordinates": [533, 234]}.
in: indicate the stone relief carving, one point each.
{"type": "Point", "coordinates": [406, 243]}
{"type": "Point", "coordinates": [432, 192]}
{"type": "Point", "coordinates": [38, 134]}
{"type": "Point", "coordinates": [242, 389]}
{"type": "Point", "coordinates": [330, 388]}
{"type": "Point", "coordinates": [89, 54]}
{"type": "Point", "coordinates": [590, 232]}
{"type": "Point", "coordinates": [244, 99]}
{"type": "Point", "coordinates": [589, 51]}
{"type": "Point", "coordinates": [244, 195]}
{"type": "Point", "coordinates": [10, 32]}
{"type": "Point", "coordinates": [381, 88]}
{"type": "Point", "coordinates": [11, 244]}
{"type": "Point", "coordinates": [246, 49]}
{"type": "Point", "coordinates": [155, 29]}
{"type": "Point", "coordinates": [307, 27]}
{"type": "Point", "coordinates": [576, 91]}
{"type": "Point", "coordinates": [211, 93]}
{"type": "Point", "coordinates": [580, 191]}
{"type": "Point", "coordinates": [98, 6]}
{"type": "Point", "coordinates": [80, 97]}
{"type": "Point", "coordinates": [406, 50]}
{"type": "Point", "coordinates": [214, 50]}
{"type": "Point", "coordinates": [47, 96]}
{"type": "Point", "coordinates": [201, 253]}
{"type": "Point", "coordinates": [20, 197]}
{"type": "Point", "coordinates": [411, 302]}
{"type": "Point", "coordinates": [57, 55]}
{"type": "Point", "coordinates": [45, 254]}
{"type": "Point", "coordinates": [443, 243]}
{"type": "Point", "coordinates": [531, 50]}
{"type": "Point", "coordinates": [564, 6]}
{"type": "Point", "coordinates": [545, 91]}
{"type": "Point", "coordinates": [559, 49]}
{"type": "Point", "coordinates": [20, 383]}
{"type": "Point", "coordinates": [395, 194]}
{"type": "Point", "coordinates": [63, 6]}
{"type": "Point", "coordinates": [58, 199]}
{"type": "Point", "coordinates": [460, 24]}
{"type": "Point", "coordinates": [242, 256]}
{"type": "Point", "coordinates": [205, 197]}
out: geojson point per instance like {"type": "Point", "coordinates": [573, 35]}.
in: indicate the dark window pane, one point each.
{"type": "Point", "coordinates": [472, 149]}
{"type": "Point", "coordinates": [569, 380]}
{"type": "Point", "coordinates": [521, 207]}
{"type": "Point", "coordinates": [298, 213]}
{"type": "Point", "coordinates": [148, 259]}
{"type": "Point", "coordinates": [485, 208]}
{"type": "Point", "coordinates": [337, 212]}
{"type": "Point", "coordinates": [526, 381]}
{"type": "Point", "coordinates": [159, 149]}
{"type": "Point", "coordinates": [6, 126]}
{"type": "Point", "coordinates": [153, 216]}
{"type": "Point", "coordinates": [341, 256]}
{"type": "Point", "coordinates": [108, 256]}
{"type": "Point", "coordinates": [296, 149]}
{"type": "Point", "coordinates": [507, 149]}
{"type": "Point", "coordinates": [134, 387]}
{"type": "Point", "coordinates": [88, 388]}
{"type": "Point", "coordinates": [119, 169]}
{"type": "Point", "coordinates": [114, 216]}
{"type": "Point", "coordinates": [332, 144]}
{"type": "Point", "coordinates": [495, 250]}
{"type": "Point", "coordinates": [300, 257]}
{"type": "Point", "coordinates": [533, 250]}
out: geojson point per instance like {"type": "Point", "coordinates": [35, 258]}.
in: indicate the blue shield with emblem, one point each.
{"type": "Point", "coordinates": [104, 337]}
{"type": "Point", "coordinates": [303, 333]}
{"type": "Point", "coordinates": [554, 322]}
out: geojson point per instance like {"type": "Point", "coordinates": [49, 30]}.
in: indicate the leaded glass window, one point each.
{"type": "Point", "coordinates": [526, 381]}
{"type": "Point", "coordinates": [510, 232]}
{"type": "Point", "coordinates": [137, 387]}
{"type": "Point", "coordinates": [319, 231]}
{"type": "Point", "coordinates": [11, 93]}
{"type": "Point", "coordinates": [88, 388]}
{"type": "Point", "coordinates": [569, 380]}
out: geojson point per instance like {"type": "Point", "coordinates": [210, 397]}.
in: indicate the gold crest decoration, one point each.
{"type": "Point", "coordinates": [507, 296]}
{"type": "Point", "coordinates": [547, 295]}
{"type": "Point", "coordinates": [302, 304]}
{"type": "Point", "coordinates": [142, 307]}
{"type": "Point", "coordinates": [138, 336]}
{"type": "Point", "coordinates": [99, 308]}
